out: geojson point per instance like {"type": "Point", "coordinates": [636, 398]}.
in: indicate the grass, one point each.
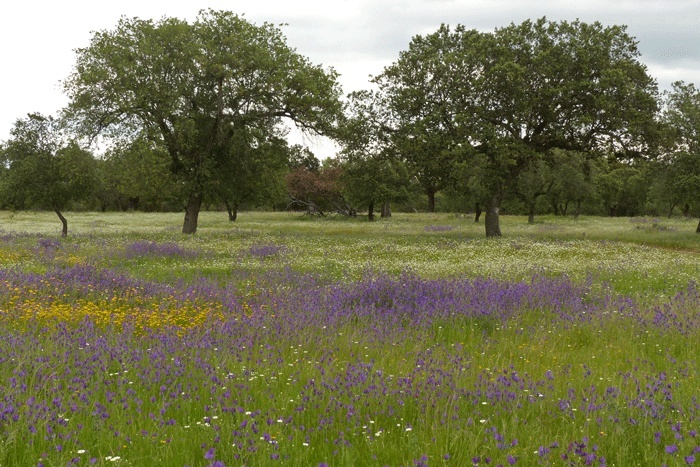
{"type": "Point", "coordinates": [409, 341]}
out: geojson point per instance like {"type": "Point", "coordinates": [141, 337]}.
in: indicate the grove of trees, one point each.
{"type": "Point", "coordinates": [532, 118]}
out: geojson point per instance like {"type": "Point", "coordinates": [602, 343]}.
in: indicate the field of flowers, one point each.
{"type": "Point", "coordinates": [406, 342]}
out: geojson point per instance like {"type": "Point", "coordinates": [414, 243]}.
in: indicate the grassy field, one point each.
{"type": "Point", "coordinates": [280, 339]}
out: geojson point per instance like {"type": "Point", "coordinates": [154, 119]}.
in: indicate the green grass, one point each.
{"type": "Point", "coordinates": [630, 254]}
{"type": "Point", "coordinates": [546, 362]}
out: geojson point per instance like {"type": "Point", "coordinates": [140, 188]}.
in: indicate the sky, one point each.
{"type": "Point", "coordinates": [356, 38]}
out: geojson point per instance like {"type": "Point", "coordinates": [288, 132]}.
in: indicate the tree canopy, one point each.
{"type": "Point", "coordinates": [44, 169]}
{"type": "Point", "coordinates": [506, 98]}
{"type": "Point", "coordinates": [193, 87]}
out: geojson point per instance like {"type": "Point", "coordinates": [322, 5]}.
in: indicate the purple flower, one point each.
{"type": "Point", "coordinates": [210, 454]}
{"type": "Point", "coordinates": [671, 449]}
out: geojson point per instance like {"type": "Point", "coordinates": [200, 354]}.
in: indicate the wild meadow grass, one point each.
{"type": "Point", "coordinates": [406, 342]}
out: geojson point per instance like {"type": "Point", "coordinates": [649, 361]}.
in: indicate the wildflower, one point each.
{"type": "Point", "coordinates": [671, 449]}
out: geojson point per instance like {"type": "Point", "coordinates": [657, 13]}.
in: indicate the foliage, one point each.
{"type": "Point", "coordinates": [503, 100]}
{"type": "Point", "coordinates": [573, 180]}
{"type": "Point", "coordinates": [252, 171]}
{"type": "Point", "coordinates": [372, 174]}
{"type": "Point", "coordinates": [680, 168]}
{"type": "Point", "coordinates": [136, 175]}
{"type": "Point", "coordinates": [43, 169]}
{"type": "Point", "coordinates": [192, 88]}
{"type": "Point", "coordinates": [318, 191]}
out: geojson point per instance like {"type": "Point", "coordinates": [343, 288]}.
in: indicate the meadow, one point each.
{"type": "Point", "coordinates": [411, 341]}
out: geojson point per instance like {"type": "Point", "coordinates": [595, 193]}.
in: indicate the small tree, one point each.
{"type": "Point", "coordinates": [372, 174]}
{"type": "Point", "coordinates": [252, 171]}
{"type": "Point", "coordinates": [572, 175]}
{"type": "Point", "coordinates": [683, 159]}
{"type": "Point", "coordinates": [135, 175]}
{"type": "Point", "coordinates": [43, 169]}
{"type": "Point", "coordinates": [318, 191]}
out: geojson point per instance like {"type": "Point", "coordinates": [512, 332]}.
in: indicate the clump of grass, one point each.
{"type": "Point", "coordinates": [141, 249]}
{"type": "Point", "coordinates": [266, 250]}
{"type": "Point", "coordinates": [438, 228]}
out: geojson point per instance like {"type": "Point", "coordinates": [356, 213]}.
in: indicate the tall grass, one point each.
{"type": "Point", "coordinates": [412, 341]}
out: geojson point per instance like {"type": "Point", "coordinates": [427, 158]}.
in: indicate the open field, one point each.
{"type": "Point", "coordinates": [410, 341]}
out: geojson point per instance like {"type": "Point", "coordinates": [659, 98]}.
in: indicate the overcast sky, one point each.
{"type": "Point", "coordinates": [357, 38]}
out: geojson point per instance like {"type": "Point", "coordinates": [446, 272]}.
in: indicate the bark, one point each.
{"type": "Point", "coordinates": [686, 210]}
{"type": "Point", "coordinates": [491, 221]}
{"type": "Point", "coordinates": [386, 210]}
{"type": "Point", "coordinates": [431, 201]}
{"type": "Point", "coordinates": [133, 203]}
{"type": "Point", "coordinates": [697, 231]}
{"type": "Point", "coordinates": [232, 209]}
{"type": "Point", "coordinates": [531, 215]}
{"type": "Point", "coordinates": [194, 204]}
{"type": "Point", "coordinates": [370, 211]}
{"type": "Point", "coordinates": [477, 212]}
{"type": "Point", "coordinates": [64, 231]}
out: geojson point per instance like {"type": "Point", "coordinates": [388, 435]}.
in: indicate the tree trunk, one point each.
{"type": "Point", "coordinates": [386, 210]}
{"type": "Point", "coordinates": [477, 212]}
{"type": "Point", "coordinates": [493, 228]}
{"type": "Point", "coordinates": [370, 211]}
{"type": "Point", "coordinates": [686, 210]}
{"type": "Point", "coordinates": [194, 204]}
{"type": "Point", "coordinates": [64, 221]}
{"type": "Point", "coordinates": [531, 214]}
{"type": "Point", "coordinates": [431, 201]}
{"type": "Point", "coordinates": [697, 231]}
{"type": "Point", "coordinates": [232, 209]}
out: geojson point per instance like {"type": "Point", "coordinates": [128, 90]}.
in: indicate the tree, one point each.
{"type": "Point", "coordinates": [136, 175]}
{"type": "Point", "coordinates": [375, 182]}
{"type": "Point", "coordinates": [682, 115]}
{"type": "Point", "coordinates": [193, 87]}
{"type": "Point", "coordinates": [504, 99]}
{"type": "Point", "coordinates": [253, 171]}
{"type": "Point", "coordinates": [418, 105]}
{"type": "Point", "coordinates": [372, 175]}
{"type": "Point", "coordinates": [535, 181]}
{"type": "Point", "coordinates": [623, 190]}
{"type": "Point", "coordinates": [43, 169]}
{"type": "Point", "coordinates": [319, 191]}
{"type": "Point", "coordinates": [573, 175]}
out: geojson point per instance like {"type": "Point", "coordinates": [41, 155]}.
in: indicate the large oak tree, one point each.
{"type": "Point", "coordinates": [193, 87]}
{"type": "Point", "coordinates": [502, 100]}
